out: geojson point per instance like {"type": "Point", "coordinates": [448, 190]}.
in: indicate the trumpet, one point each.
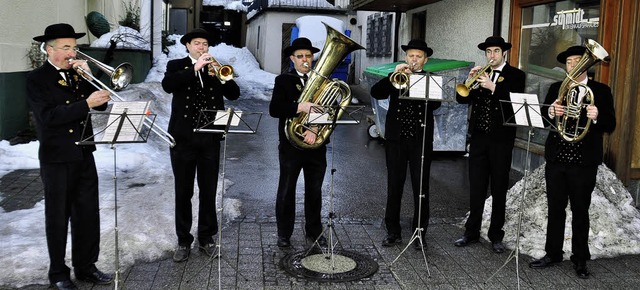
{"type": "Point", "coordinates": [120, 78]}
{"type": "Point", "coordinates": [399, 79]}
{"type": "Point", "coordinates": [224, 73]}
{"type": "Point", "coordinates": [471, 83]}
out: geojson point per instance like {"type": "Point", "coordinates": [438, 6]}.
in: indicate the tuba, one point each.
{"type": "Point", "coordinates": [569, 125]}
{"type": "Point", "coordinates": [322, 91]}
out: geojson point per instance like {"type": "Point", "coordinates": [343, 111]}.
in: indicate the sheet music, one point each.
{"type": "Point", "coordinates": [418, 86]}
{"type": "Point", "coordinates": [132, 125]}
{"type": "Point", "coordinates": [418, 89]}
{"type": "Point", "coordinates": [518, 100]}
{"type": "Point", "coordinates": [222, 117]}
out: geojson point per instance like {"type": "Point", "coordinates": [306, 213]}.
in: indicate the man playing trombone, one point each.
{"type": "Point", "coordinates": [491, 142]}
{"type": "Point", "coordinates": [195, 86]}
{"type": "Point", "coordinates": [60, 101]}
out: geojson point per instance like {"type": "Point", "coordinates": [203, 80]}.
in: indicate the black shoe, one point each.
{"type": "Point", "coordinates": [581, 270]}
{"type": "Point", "coordinates": [498, 247]}
{"type": "Point", "coordinates": [284, 242]}
{"type": "Point", "coordinates": [418, 246]}
{"type": "Point", "coordinates": [543, 262]}
{"type": "Point", "coordinates": [181, 254]}
{"type": "Point", "coordinates": [208, 249]}
{"type": "Point", "coordinates": [64, 285]}
{"type": "Point", "coordinates": [95, 277]}
{"type": "Point", "coordinates": [465, 241]}
{"type": "Point", "coordinates": [391, 240]}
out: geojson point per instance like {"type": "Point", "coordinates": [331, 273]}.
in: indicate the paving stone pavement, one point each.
{"type": "Point", "coordinates": [250, 259]}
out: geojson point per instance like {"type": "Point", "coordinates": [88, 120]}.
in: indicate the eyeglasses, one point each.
{"type": "Point", "coordinates": [64, 48]}
{"type": "Point", "coordinates": [300, 56]}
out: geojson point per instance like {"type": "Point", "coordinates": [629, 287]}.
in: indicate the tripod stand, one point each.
{"type": "Point", "coordinates": [523, 119]}
{"type": "Point", "coordinates": [120, 129]}
{"type": "Point", "coordinates": [330, 253]}
{"type": "Point", "coordinates": [227, 119]}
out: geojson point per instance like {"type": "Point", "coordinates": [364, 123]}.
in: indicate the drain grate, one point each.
{"type": "Point", "coordinates": [318, 266]}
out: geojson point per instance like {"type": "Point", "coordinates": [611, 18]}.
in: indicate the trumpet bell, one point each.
{"type": "Point", "coordinates": [225, 73]}
{"type": "Point", "coordinates": [462, 90]}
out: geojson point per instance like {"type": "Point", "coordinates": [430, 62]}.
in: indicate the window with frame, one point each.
{"type": "Point", "coordinates": [379, 34]}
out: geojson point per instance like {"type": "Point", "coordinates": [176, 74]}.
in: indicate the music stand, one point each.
{"type": "Point", "coordinates": [527, 114]}
{"type": "Point", "coordinates": [326, 115]}
{"type": "Point", "coordinates": [424, 87]}
{"type": "Point", "coordinates": [221, 122]}
{"type": "Point", "coordinates": [122, 127]}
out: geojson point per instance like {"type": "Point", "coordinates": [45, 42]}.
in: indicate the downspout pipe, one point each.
{"type": "Point", "coordinates": [497, 17]}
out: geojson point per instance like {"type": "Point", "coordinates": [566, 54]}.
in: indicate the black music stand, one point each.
{"type": "Point", "coordinates": [327, 115]}
{"type": "Point", "coordinates": [424, 87]}
{"type": "Point", "coordinates": [527, 114]}
{"type": "Point", "coordinates": [122, 127]}
{"type": "Point", "coordinates": [221, 122]}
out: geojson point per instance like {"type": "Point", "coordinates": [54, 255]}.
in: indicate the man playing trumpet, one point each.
{"type": "Point", "coordinates": [195, 88]}
{"type": "Point", "coordinates": [491, 142]}
{"type": "Point", "coordinates": [404, 146]}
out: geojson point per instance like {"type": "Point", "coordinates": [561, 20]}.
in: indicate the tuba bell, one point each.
{"type": "Point", "coordinates": [322, 91]}
{"type": "Point", "coordinates": [570, 126]}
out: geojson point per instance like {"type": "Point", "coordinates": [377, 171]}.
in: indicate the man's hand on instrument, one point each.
{"type": "Point", "coordinates": [75, 63]}
{"type": "Point", "coordinates": [403, 67]}
{"type": "Point", "coordinates": [310, 136]}
{"type": "Point", "coordinates": [98, 98]}
{"type": "Point", "coordinates": [305, 107]}
{"type": "Point", "coordinates": [485, 82]}
{"type": "Point", "coordinates": [556, 109]}
{"type": "Point", "coordinates": [202, 61]}
{"type": "Point", "coordinates": [592, 112]}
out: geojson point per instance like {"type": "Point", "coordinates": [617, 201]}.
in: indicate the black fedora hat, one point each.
{"type": "Point", "coordinates": [418, 44]}
{"type": "Point", "coordinates": [196, 33]}
{"type": "Point", "coordinates": [495, 41]}
{"type": "Point", "coordinates": [60, 30]}
{"type": "Point", "coordinates": [574, 50]}
{"type": "Point", "coordinates": [300, 43]}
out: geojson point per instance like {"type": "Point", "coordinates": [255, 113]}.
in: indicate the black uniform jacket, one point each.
{"type": "Point", "coordinates": [284, 101]}
{"type": "Point", "coordinates": [181, 81]}
{"type": "Point", "coordinates": [510, 80]}
{"type": "Point", "coordinates": [592, 142]}
{"type": "Point", "coordinates": [384, 89]}
{"type": "Point", "coordinates": [60, 112]}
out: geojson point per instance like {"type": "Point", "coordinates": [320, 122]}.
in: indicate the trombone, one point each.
{"type": "Point", "coordinates": [120, 78]}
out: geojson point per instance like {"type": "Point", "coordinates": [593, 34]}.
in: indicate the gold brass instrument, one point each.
{"type": "Point", "coordinates": [472, 83]}
{"type": "Point", "coordinates": [569, 125]}
{"type": "Point", "coordinates": [120, 78]}
{"type": "Point", "coordinates": [322, 91]}
{"type": "Point", "coordinates": [399, 79]}
{"type": "Point", "coordinates": [224, 73]}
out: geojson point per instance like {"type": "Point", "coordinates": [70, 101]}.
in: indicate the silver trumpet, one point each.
{"type": "Point", "coordinates": [120, 78]}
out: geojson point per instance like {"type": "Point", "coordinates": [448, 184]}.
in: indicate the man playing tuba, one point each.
{"type": "Point", "coordinates": [571, 167]}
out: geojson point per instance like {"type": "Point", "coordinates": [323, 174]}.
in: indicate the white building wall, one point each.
{"type": "Point", "coordinates": [22, 20]}
{"type": "Point", "coordinates": [365, 61]}
{"type": "Point", "coordinates": [267, 47]}
{"type": "Point", "coordinates": [455, 28]}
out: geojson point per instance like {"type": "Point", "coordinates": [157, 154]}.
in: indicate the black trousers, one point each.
{"type": "Point", "coordinates": [574, 184]}
{"type": "Point", "coordinates": [71, 195]}
{"type": "Point", "coordinates": [399, 154]}
{"type": "Point", "coordinates": [489, 163]}
{"type": "Point", "coordinates": [314, 164]}
{"type": "Point", "coordinates": [199, 154]}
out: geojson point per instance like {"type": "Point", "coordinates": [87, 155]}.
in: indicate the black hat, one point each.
{"type": "Point", "coordinates": [574, 50]}
{"type": "Point", "coordinates": [60, 30]}
{"type": "Point", "coordinates": [495, 41]}
{"type": "Point", "coordinates": [196, 33]}
{"type": "Point", "coordinates": [300, 43]}
{"type": "Point", "coordinates": [418, 44]}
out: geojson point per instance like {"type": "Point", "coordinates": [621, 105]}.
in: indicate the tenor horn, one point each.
{"type": "Point", "coordinates": [322, 91]}
{"type": "Point", "coordinates": [120, 78]}
{"type": "Point", "coordinates": [570, 126]}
